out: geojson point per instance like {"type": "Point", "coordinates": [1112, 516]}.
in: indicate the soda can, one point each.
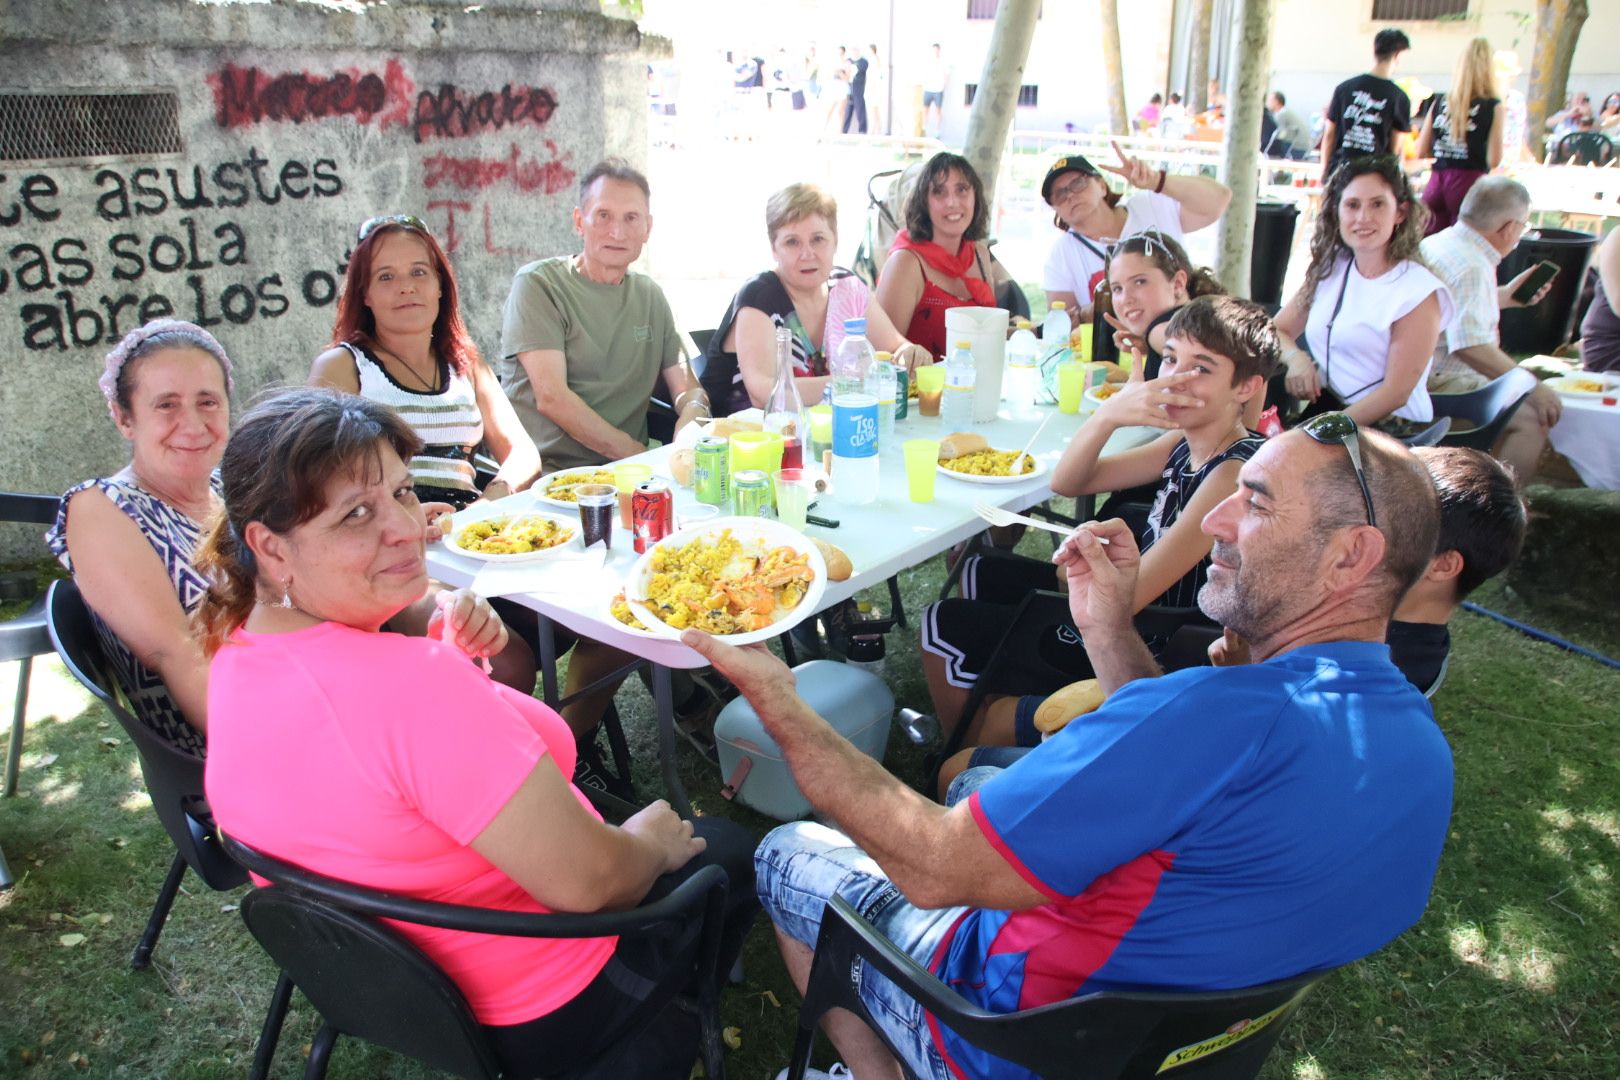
{"type": "Point", "coordinates": [902, 380]}
{"type": "Point", "coordinates": [711, 469]}
{"type": "Point", "coordinates": [652, 513]}
{"type": "Point", "coordinates": [751, 494]}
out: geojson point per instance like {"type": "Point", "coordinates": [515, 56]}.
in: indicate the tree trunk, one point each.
{"type": "Point", "coordinates": [1246, 97]}
{"type": "Point", "coordinates": [999, 83]}
{"type": "Point", "coordinates": [1558, 28]}
{"type": "Point", "coordinates": [1114, 67]}
{"type": "Point", "coordinates": [1196, 97]}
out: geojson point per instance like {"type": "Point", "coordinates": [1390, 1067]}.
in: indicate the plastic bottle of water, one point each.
{"type": "Point", "coordinates": [1018, 388]}
{"type": "Point", "coordinates": [1055, 331]}
{"type": "Point", "coordinates": [961, 376]}
{"type": "Point", "coordinates": [880, 383]}
{"type": "Point", "coordinates": [855, 418]}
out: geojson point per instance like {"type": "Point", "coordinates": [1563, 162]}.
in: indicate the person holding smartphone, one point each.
{"type": "Point", "coordinates": [1493, 217]}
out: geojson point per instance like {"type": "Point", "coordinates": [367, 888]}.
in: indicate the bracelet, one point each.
{"type": "Point", "coordinates": [1159, 190]}
{"type": "Point", "coordinates": [702, 403]}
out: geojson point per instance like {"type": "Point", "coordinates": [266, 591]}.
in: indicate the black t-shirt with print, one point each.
{"type": "Point", "coordinates": [1365, 111]}
{"type": "Point", "coordinates": [1474, 154]}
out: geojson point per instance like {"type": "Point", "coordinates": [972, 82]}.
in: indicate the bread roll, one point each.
{"type": "Point", "coordinates": [961, 442]}
{"type": "Point", "coordinates": [727, 426]}
{"type": "Point", "coordinates": [680, 466]}
{"type": "Point", "coordinates": [1073, 700]}
{"type": "Point", "coordinates": [838, 565]}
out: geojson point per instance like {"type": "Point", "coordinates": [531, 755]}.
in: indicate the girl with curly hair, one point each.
{"type": "Point", "coordinates": [1369, 310]}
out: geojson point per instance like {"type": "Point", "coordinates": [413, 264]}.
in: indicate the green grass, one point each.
{"type": "Point", "coordinates": [1510, 974]}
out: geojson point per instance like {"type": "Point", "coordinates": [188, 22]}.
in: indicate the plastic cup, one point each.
{"type": "Point", "coordinates": [696, 514]}
{"type": "Point", "coordinates": [930, 387]}
{"type": "Point", "coordinates": [625, 477]}
{"type": "Point", "coordinates": [1082, 342]}
{"type": "Point", "coordinates": [760, 450]}
{"type": "Point", "coordinates": [922, 464]}
{"type": "Point", "coordinates": [1071, 386]}
{"type": "Point", "coordinates": [792, 497]}
{"type": "Point", "coordinates": [821, 428]}
{"type": "Point", "coordinates": [595, 503]}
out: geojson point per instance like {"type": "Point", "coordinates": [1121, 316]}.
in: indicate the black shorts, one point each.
{"type": "Point", "coordinates": [964, 633]}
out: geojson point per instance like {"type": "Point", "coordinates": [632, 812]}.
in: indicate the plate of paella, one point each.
{"type": "Point", "coordinates": [1586, 384]}
{"type": "Point", "coordinates": [558, 488]}
{"type": "Point", "coordinates": [739, 578]}
{"type": "Point", "coordinates": [508, 537]}
{"type": "Point", "coordinates": [967, 456]}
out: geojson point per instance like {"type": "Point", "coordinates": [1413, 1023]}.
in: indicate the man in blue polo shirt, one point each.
{"type": "Point", "coordinates": [1207, 829]}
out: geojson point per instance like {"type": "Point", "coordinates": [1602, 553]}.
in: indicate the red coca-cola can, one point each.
{"type": "Point", "coordinates": [652, 513]}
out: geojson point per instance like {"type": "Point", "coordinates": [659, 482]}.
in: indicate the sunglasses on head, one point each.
{"type": "Point", "coordinates": [1337, 428]}
{"type": "Point", "coordinates": [371, 225]}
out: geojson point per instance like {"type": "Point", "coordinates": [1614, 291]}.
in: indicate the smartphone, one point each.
{"type": "Point", "coordinates": [1544, 272]}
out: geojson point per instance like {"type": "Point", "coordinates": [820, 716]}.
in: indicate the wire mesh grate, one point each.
{"type": "Point", "coordinates": [1418, 10]}
{"type": "Point", "coordinates": [53, 126]}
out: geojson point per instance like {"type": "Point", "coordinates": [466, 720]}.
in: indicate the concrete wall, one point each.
{"type": "Point", "coordinates": [299, 120]}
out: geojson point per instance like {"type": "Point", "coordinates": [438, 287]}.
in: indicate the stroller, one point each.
{"type": "Point", "coordinates": [883, 213]}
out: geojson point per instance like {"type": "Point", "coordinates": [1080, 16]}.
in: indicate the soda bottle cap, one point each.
{"type": "Point", "coordinates": [964, 344]}
{"type": "Point", "coordinates": [884, 356]}
{"type": "Point", "coordinates": [855, 326]}
{"type": "Point", "coordinates": [1059, 305]}
{"type": "Point", "coordinates": [1025, 324]}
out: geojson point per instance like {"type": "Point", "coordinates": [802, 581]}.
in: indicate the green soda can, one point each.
{"type": "Point", "coordinates": [751, 494]}
{"type": "Point", "coordinates": [711, 470]}
{"type": "Point", "coordinates": [902, 381]}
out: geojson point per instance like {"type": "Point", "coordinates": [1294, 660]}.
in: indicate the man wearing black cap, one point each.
{"type": "Point", "coordinates": [1369, 113]}
{"type": "Point", "coordinates": [1093, 218]}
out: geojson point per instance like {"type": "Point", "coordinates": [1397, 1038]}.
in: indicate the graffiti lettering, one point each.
{"type": "Point", "coordinates": [452, 113]}
{"type": "Point", "coordinates": [247, 96]}
{"type": "Point", "coordinates": [142, 194]}
{"type": "Point", "coordinates": [32, 190]}
{"type": "Point", "coordinates": [72, 322]}
{"type": "Point", "coordinates": [478, 173]}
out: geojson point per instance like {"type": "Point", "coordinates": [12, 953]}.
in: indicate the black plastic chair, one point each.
{"type": "Point", "coordinates": [1217, 1035]}
{"type": "Point", "coordinates": [24, 637]}
{"type": "Point", "coordinates": [1187, 631]}
{"type": "Point", "coordinates": [367, 982]}
{"type": "Point", "coordinates": [1486, 410]}
{"type": "Point", "coordinates": [174, 778]}
{"type": "Point", "coordinates": [1584, 148]}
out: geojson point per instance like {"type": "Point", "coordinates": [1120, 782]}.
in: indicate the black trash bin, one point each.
{"type": "Point", "coordinates": [1546, 326]}
{"type": "Point", "coordinates": [1273, 239]}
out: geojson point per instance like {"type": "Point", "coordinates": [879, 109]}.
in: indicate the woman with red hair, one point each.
{"type": "Point", "coordinates": [400, 340]}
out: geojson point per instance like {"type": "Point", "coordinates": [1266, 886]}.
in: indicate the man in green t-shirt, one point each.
{"type": "Point", "coordinates": [584, 340]}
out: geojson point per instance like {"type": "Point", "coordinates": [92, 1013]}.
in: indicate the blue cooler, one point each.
{"type": "Point", "coordinates": [858, 705]}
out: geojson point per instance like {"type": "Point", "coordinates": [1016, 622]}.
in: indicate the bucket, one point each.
{"type": "Point", "coordinates": [986, 329]}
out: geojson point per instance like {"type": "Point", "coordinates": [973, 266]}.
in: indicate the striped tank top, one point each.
{"type": "Point", "coordinates": [448, 423]}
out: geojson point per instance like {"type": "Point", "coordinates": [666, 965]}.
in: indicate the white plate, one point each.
{"type": "Point", "coordinates": [1039, 470]}
{"type": "Point", "coordinates": [483, 513]}
{"type": "Point", "coordinates": [691, 433]}
{"type": "Point", "coordinates": [540, 485]}
{"type": "Point", "coordinates": [626, 627]}
{"type": "Point", "coordinates": [772, 534]}
{"type": "Point", "coordinates": [1563, 384]}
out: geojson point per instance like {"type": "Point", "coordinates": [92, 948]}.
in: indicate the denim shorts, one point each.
{"type": "Point", "coordinates": [798, 867]}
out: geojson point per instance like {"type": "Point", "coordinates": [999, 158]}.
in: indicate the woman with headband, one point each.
{"type": "Point", "coordinates": [129, 538]}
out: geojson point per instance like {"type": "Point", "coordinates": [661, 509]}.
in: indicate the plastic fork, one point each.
{"type": "Point", "coordinates": [995, 515]}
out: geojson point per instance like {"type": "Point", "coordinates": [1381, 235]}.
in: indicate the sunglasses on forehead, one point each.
{"type": "Point", "coordinates": [1337, 428]}
{"type": "Point", "coordinates": [371, 225]}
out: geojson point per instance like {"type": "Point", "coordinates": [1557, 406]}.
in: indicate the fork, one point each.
{"type": "Point", "coordinates": [995, 515]}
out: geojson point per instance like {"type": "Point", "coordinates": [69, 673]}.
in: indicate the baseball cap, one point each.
{"type": "Point", "coordinates": [1072, 163]}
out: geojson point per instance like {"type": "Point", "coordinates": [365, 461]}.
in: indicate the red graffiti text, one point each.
{"type": "Point", "coordinates": [478, 173]}
{"type": "Point", "coordinates": [453, 113]}
{"type": "Point", "coordinates": [247, 96]}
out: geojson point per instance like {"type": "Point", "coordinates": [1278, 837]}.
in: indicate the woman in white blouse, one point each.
{"type": "Point", "coordinates": [1370, 311]}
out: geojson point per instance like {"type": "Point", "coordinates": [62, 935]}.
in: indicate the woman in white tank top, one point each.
{"type": "Point", "coordinates": [1370, 311]}
{"type": "Point", "coordinates": [400, 340]}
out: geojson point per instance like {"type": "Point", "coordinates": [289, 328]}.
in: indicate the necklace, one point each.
{"type": "Point", "coordinates": [431, 386]}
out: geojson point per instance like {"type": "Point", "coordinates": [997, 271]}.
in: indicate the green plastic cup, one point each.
{"type": "Point", "coordinates": [922, 464]}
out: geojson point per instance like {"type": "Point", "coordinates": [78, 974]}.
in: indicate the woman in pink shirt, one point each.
{"type": "Point", "coordinates": [394, 762]}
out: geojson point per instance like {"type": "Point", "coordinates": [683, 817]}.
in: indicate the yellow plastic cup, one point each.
{"type": "Point", "coordinates": [628, 474]}
{"type": "Point", "coordinates": [821, 423]}
{"type": "Point", "coordinates": [760, 450]}
{"type": "Point", "coordinates": [1071, 386]}
{"type": "Point", "coordinates": [1082, 342]}
{"type": "Point", "coordinates": [930, 386]}
{"type": "Point", "coordinates": [922, 463]}
{"type": "Point", "coordinates": [792, 497]}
